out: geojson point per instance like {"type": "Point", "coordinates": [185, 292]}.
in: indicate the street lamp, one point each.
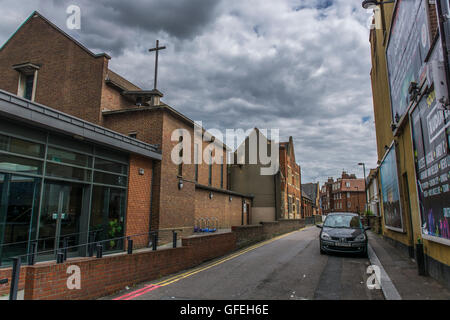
{"type": "Point", "coordinates": [365, 184]}
{"type": "Point", "coordinates": [372, 4]}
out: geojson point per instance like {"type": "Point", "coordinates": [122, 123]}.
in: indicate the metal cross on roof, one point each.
{"type": "Point", "coordinates": [157, 48]}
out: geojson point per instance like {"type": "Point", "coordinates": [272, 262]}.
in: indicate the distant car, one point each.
{"type": "Point", "coordinates": [343, 232]}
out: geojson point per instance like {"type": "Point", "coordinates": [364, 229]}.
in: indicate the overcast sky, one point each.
{"type": "Point", "coordinates": [301, 66]}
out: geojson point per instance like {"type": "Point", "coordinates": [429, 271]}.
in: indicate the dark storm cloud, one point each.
{"type": "Point", "coordinates": [301, 66]}
{"type": "Point", "coordinates": [113, 24]}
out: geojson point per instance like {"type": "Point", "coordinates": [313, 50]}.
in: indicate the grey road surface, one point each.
{"type": "Point", "coordinates": [289, 268]}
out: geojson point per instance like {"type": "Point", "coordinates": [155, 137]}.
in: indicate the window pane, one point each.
{"type": "Point", "coordinates": [69, 157]}
{"type": "Point", "coordinates": [29, 81]}
{"type": "Point", "coordinates": [19, 216]}
{"type": "Point", "coordinates": [108, 216]}
{"type": "Point", "coordinates": [110, 166]}
{"type": "Point", "coordinates": [56, 170]}
{"type": "Point", "coordinates": [18, 164]}
{"type": "Point", "coordinates": [26, 148]}
{"type": "Point", "coordinates": [105, 178]}
{"type": "Point", "coordinates": [3, 143]}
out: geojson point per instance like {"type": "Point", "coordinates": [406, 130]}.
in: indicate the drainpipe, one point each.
{"type": "Point", "coordinates": [151, 195]}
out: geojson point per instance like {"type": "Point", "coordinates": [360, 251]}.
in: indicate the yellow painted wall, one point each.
{"type": "Point", "coordinates": [405, 156]}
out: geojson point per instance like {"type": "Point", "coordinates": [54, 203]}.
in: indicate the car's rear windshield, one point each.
{"type": "Point", "coordinates": [342, 221]}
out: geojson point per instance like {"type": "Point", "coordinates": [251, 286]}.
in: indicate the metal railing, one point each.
{"type": "Point", "coordinates": [35, 242]}
{"type": "Point", "coordinates": [61, 254]}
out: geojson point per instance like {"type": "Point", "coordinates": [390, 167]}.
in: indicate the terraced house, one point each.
{"type": "Point", "coordinates": [276, 197]}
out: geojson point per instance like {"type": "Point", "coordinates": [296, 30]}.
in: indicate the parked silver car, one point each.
{"type": "Point", "coordinates": [343, 232]}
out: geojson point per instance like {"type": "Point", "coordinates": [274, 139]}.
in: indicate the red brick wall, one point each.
{"type": "Point", "coordinates": [6, 274]}
{"type": "Point", "coordinates": [290, 187]}
{"type": "Point", "coordinates": [139, 194]}
{"type": "Point", "coordinates": [100, 277]}
{"type": "Point", "coordinates": [176, 207]}
{"type": "Point", "coordinates": [228, 213]}
{"type": "Point", "coordinates": [203, 170]}
{"type": "Point", "coordinates": [110, 274]}
{"type": "Point", "coordinates": [113, 100]}
{"type": "Point", "coordinates": [69, 79]}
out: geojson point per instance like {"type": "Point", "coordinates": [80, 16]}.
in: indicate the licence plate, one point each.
{"type": "Point", "coordinates": [344, 244]}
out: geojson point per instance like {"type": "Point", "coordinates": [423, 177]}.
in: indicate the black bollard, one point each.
{"type": "Point", "coordinates": [60, 257]}
{"type": "Point", "coordinates": [14, 279]}
{"type": "Point", "coordinates": [130, 246]}
{"type": "Point", "coordinates": [154, 241]}
{"type": "Point", "coordinates": [31, 256]}
{"type": "Point", "coordinates": [99, 251]}
{"type": "Point", "coordinates": [174, 239]}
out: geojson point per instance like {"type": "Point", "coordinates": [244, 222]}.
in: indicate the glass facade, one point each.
{"type": "Point", "coordinates": [55, 189]}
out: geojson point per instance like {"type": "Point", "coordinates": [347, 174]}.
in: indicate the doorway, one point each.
{"type": "Point", "coordinates": [19, 198]}
{"type": "Point", "coordinates": [61, 217]}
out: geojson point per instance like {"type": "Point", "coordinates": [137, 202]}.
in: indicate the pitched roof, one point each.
{"type": "Point", "coordinates": [120, 82]}
{"type": "Point", "coordinates": [36, 14]}
{"type": "Point", "coordinates": [310, 189]}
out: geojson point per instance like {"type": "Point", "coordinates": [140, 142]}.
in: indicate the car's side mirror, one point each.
{"type": "Point", "coordinates": [319, 226]}
{"type": "Point", "coordinates": [367, 228]}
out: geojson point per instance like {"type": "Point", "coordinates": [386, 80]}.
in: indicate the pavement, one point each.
{"type": "Point", "coordinates": [289, 267]}
{"type": "Point", "coordinates": [402, 281]}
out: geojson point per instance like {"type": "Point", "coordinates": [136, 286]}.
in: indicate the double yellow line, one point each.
{"type": "Point", "coordinates": [232, 256]}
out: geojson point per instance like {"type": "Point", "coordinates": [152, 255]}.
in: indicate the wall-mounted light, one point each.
{"type": "Point", "coordinates": [231, 198]}
{"type": "Point", "coordinates": [210, 195]}
{"type": "Point", "coordinates": [141, 171]}
{"type": "Point", "coordinates": [180, 184]}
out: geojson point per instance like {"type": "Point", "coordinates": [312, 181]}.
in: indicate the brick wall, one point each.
{"type": "Point", "coordinates": [246, 235]}
{"type": "Point", "coordinates": [110, 274]}
{"type": "Point", "coordinates": [176, 207]}
{"type": "Point", "coordinates": [228, 213]}
{"type": "Point", "coordinates": [6, 274]}
{"type": "Point", "coordinates": [69, 79]}
{"type": "Point", "coordinates": [139, 198]}
{"type": "Point", "coordinates": [100, 277]}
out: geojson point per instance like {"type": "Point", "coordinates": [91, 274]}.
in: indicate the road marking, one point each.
{"type": "Point", "coordinates": [387, 286]}
{"type": "Point", "coordinates": [137, 293]}
{"type": "Point", "coordinates": [189, 273]}
{"type": "Point", "coordinates": [237, 254]}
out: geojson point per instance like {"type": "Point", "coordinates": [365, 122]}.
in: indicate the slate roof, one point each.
{"type": "Point", "coordinates": [310, 189]}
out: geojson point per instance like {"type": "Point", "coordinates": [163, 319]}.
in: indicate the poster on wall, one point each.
{"type": "Point", "coordinates": [431, 139]}
{"type": "Point", "coordinates": [408, 46]}
{"type": "Point", "coordinates": [390, 191]}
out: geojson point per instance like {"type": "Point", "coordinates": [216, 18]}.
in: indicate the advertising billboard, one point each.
{"type": "Point", "coordinates": [390, 191]}
{"type": "Point", "coordinates": [431, 138]}
{"type": "Point", "coordinates": [408, 46]}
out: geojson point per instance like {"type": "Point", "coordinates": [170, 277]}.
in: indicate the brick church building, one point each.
{"type": "Point", "coordinates": [119, 150]}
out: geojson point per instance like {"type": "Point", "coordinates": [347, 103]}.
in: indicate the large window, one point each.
{"type": "Point", "coordinates": [19, 198]}
{"type": "Point", "coordinates": [84, 189]}
{"type": "Point", "coordinates": [68, 157]}
{"type": "Point", "coordinates": [108, 215]}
